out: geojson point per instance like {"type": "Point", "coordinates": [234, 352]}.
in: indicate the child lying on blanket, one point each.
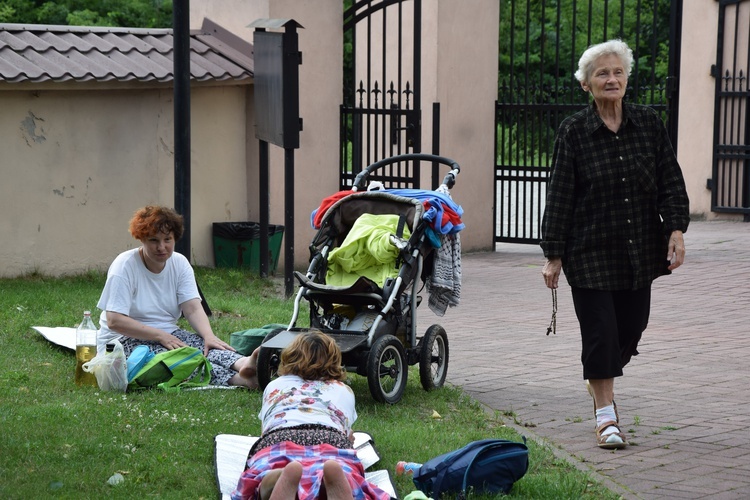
{"type": "Point", "coordinates": [306, 438]}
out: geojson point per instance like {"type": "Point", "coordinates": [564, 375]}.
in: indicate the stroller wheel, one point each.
{"type": "Point", "coordinates": [268, 362]}
{"type": "Point", "coordinates": [387, 370]}
{"type": "Point", "coordinates": [433, 358]}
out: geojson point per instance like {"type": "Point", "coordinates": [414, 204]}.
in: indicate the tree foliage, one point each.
{"type": "Point", "coordinates": [124, 13]}
{"type": "Point", "coordinates": [541, 40]}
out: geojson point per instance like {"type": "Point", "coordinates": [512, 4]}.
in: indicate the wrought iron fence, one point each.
{"type": "Point", "coordinates": [537, 90]}
{"type": "Point", "coordinates": [730, 182]}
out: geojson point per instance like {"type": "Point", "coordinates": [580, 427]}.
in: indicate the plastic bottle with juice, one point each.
{"type": "Point", "coordinates": [85, 350]}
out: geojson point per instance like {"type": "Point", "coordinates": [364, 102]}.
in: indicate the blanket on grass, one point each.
{"type": "Point", "coordinates": [230, 454]}
{"type": "Point", "coordinates": [62, 336]}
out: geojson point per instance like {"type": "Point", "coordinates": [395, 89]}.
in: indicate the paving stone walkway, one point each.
{"type": "Point", "coordinates": [684, 401]}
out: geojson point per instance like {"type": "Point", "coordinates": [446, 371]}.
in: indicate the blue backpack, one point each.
{"type": "Point", "coordinates": [486, 466]}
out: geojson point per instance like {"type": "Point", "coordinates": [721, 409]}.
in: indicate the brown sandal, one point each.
{"type": "Point", "coordinates": [610, 441]}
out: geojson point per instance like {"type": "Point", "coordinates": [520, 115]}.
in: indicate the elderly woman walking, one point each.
{"type": "Point", "coordinates": [616, 212]}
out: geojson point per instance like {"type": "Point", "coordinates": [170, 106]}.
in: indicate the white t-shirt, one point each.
{"type": "Point", "coordinates": [290, 400]}
{"type": "Point", "coordinates": [153, 299]}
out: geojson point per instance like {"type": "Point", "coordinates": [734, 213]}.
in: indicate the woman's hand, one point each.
{"type": "Point", "coordinates": [170, 341]}
{"type": "Point", "coordinates": [676, 250]}
{"type": "Point", "coordinates": [211, 341]}
{"type": "Point", "coordinates": [132, 328]}
{"type": "Point", "coordinates": [196, 316]}
{"type": "Point", "coordinates": [551, 272]}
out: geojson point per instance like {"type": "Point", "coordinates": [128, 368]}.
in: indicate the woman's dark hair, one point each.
{"type": "Point", "coordinates": [151, 220]}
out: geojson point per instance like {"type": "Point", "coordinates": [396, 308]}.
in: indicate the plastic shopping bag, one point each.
{"type": "Point", "coordinates": [110, 368]}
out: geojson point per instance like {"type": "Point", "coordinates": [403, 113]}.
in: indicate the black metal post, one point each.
{"type": "Point", "coordinates": [673, 80]}
{"type": "Point", "coordinates": [181, 69]}
{"type": "Point", "coordinates": [263, 200]}
{"type": "Point", "coordinates": [417, 97]}
{"type": "Point", "coordinates": [288, 220]}
{"type": "Point", "coordinates": [292, 126]}
{"type": "Point", "coordinates": [435, 144]}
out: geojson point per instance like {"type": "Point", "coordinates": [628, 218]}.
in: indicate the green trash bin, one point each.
{"type": "Point", "coordinates": [237, 245]}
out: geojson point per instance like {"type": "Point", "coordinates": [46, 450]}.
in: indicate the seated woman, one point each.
{"type": "Point", "coordinates": [305, 446]}
{"type": "Point", "coordinates": [147, 290]}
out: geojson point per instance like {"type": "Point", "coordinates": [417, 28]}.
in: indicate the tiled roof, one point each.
{"type": "Point", "coordinates": [44, 53]}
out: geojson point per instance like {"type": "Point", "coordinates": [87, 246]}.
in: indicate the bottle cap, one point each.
{"type": "Point", "coordinates": [87, 313]}
{"type": "Point", "coordinates": [110, 347]}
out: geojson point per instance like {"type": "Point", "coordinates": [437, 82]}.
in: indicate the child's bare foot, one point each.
{"type": "Point", "coordinates": [335, 482]}
{"type": "Point", "coordinates": [268, 483]}
{"type": "Point", "coordinates": [281, 483]}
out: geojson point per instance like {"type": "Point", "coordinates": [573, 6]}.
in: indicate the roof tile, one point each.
{"type": "Point", "coordinates": [43, 53]}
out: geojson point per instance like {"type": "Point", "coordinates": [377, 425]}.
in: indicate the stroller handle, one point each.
{"type": "Point", "coordinates": [449, 180]}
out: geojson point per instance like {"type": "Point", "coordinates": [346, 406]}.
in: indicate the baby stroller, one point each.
{"type": "Point", "coordinates": [362, 284]}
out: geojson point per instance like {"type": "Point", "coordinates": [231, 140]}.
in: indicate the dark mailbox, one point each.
{"type": "Point", "coordinates": [277, 61]}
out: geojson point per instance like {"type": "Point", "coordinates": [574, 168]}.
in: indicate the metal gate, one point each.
{"type": "Point", "coordinates": [381, 113]}
{"type": "Point", "coordinates": [540, 44]}
{"type": "Point", "coordinates": [730, 182]}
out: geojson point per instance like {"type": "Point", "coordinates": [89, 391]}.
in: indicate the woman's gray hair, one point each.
{"type": "Point", "coordinates": [611, 47]}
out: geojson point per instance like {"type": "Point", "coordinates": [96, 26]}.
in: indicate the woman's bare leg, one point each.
{"type": "Point", "coordinates": [604, 391]}
{"type": "Point", "coordinates": [281, 484]}
{"type": "Point", "coordinates": [249, 368]}
{"type": "Point", "coordinates": [247, 371]}
{"type": "Point", "coordinates": [334, 480]}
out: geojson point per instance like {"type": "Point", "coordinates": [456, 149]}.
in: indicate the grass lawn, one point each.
{"type": "Point", "coordinates": [62, 441]}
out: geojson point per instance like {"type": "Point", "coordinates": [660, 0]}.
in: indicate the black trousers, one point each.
{"type": "Point", "coordinates": [612, 323]}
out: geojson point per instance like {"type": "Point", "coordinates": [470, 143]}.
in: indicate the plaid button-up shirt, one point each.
{"type": "Point", "coordinates": [613, 199]}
